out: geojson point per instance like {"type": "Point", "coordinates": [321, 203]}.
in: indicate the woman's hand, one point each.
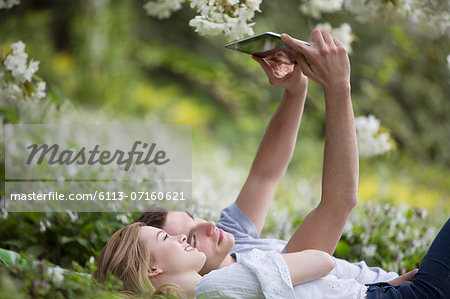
{"type": "Point", "coordinates": [287, 76]}
{"type": "Point", "coordinates": [326, 62]}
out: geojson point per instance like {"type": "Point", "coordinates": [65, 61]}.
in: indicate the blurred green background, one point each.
{"type": "Point", "coordinates": [107, 61]}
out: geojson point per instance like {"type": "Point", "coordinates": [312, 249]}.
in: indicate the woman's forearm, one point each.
{"type": "Point", "coordinates": [308, 265]}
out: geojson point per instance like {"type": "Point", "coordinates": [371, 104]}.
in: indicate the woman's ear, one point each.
{"type": "Point", "coordinates": [154, 271]}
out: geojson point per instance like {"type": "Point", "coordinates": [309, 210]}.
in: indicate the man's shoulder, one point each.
{"type": "Point", "coordinates": [234, 221]}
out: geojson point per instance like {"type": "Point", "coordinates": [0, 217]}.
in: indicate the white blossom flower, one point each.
{"type": "Point", "coordinates": [162, 9]}
{"type": "Point", "coordinates": [315, 8]}
{"type": "Point", "coordinates": [343, 33]}
{"type": "Point", "coordinates": [205, 27]}
{"type": "Point", "coordinates": [123, 218]}
{"type": "Point", "coordinates": [369, 250]}
{"type": "Point", "coordinates": [18, 47]}
{"type": "Point", "coordinates": [42, 227]}
{"type": "Point", "coordinates": [17, 63]}
{"type": "Point", "coordinates": [8, 3]}
{"type": "Point", "coordinates": [230, 18]}
{"type": "Point", "coordinates": [39, 91]}
{"type": "Point", "coordinates": [10, 92]}
{"type": "Point", "coordinates": [57, 274]}
{"type": "Point", "coordinates": [366, 10]}
{"type": "Point", "coordinates": [370, 141]}
{"type": "Point", "coordinates": [12, 88]}
{"type": "Point", "coordinates": [430, 16]}
{"type": "Point", "coordinates": [448, 61]}
{"type": "Point", "coordinates": [3, 211]}
{"type": "Point", "coordinates": [72, 215]}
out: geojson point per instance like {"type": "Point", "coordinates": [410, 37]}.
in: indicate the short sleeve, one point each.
{"type": "Point", "coordinates": [234, 221]}
{"type": "Point", "coordinates": [271, 272]}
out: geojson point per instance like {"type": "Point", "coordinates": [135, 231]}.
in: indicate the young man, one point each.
{"type": "Point", "coordinates": [241, 223]}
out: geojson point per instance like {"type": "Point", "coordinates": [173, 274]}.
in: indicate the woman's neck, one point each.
{"type": "Point", "coordinates": [186, 281]}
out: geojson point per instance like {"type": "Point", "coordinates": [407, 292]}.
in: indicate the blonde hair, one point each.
{"type": "Point", "coordinates": [128, 258]}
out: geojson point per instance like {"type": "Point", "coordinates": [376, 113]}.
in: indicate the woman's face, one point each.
{"type": "Point", "coordinates": [171, 254]}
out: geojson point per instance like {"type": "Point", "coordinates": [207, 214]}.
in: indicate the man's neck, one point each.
{"type": "Point", "coordinates": [227, 261]}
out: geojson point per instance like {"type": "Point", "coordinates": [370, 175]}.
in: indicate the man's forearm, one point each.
{"type": "Point", "coordinates": [341, 166]}
{"type": "Point", "coordinates": [322, 227]}
{"type": "Point", "coordinates": [327, 63]}
{"type": "Point", "coordinates": [277, 145]}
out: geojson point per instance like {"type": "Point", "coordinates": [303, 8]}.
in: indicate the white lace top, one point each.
{"type": "Point", "coordinates": [264, 274]}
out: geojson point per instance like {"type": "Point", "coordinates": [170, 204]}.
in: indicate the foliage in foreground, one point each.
{"type": "Point", "coordinates": [59, 237]}
{"type": "Point", "coordinates": [41, 280]}
{"type": "Point", "coordinates": [393, 238]}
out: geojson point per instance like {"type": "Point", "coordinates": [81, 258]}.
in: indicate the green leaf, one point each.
{"type": "Point", "coordinates": [35, 250]}
{"type": "Point", "coordinates": [342, 249]}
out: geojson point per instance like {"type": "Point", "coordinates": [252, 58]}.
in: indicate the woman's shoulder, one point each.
{"type": "Point", "coordinates": [255, 274]}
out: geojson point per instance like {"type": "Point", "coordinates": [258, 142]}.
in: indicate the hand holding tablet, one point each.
{"type": "Point", "coordinates": [269, 46]}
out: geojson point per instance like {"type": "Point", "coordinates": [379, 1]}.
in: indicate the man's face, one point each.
{"type": "Point", "coordinates": [203, 235]}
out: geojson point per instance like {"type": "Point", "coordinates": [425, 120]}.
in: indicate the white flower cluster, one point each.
{"type": "Point", "coordinates": [229, 17]}
{"type": "Point", "coordinates": [17, 63]}
{"type": "Point", "coordinates": [123, 218]}
{"type": "Point", "coordinates": [7, 4]}
{"type": "Point", "coordinates": [315, 8]}
{"type": "Point", "coordinates": [72, 215]}
{"type": "Point", "coordinates": [365, 11]}
{"type": "Point", "coordinates": [162, 9]}
{"type": "Point", "coordinates": [16, 76]}
{"type": "Point", "coordinates": [370, 141]}
{"type": "Point", "coordinates": [343, 33]}
{"type": "Point", "coordinates": [43, 225]}
{"type": "Point", "coordinates": [57, 274]}
{"type": "Point", "coordinates": [383, 227]}
{"type": "Point", "coordinates": [428, 15]}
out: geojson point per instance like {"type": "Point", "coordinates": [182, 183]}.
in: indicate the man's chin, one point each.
{"type": "Point", "coordinates": [208, 267]}
{"type": "Point", "coordinates": [226, 245]}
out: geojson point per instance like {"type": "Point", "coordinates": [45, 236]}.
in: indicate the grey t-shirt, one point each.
{"type": "Point", "coordinates": [234, 221]}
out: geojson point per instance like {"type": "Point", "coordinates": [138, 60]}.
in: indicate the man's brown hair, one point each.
{"type": "Point", "coordinates": [155, 216]}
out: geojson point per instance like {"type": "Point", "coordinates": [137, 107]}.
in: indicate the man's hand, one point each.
{"type": "Point", "coordinates": [403, 279]}
{"type": "Point", "coordinates": [289, 77]}
{"type": "Point", "coordinates": [326, 62]}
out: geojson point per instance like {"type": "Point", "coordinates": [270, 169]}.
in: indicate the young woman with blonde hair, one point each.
{"type": "Point", "coordinates": [151, 263]}
{"type": "Point", "coordinates": [128, 258]}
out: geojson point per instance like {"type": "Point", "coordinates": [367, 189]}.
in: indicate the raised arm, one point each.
{"type": "Point", "coordinates": [329, 66]}
{"type": "Point", "coordinates": [308, 265]}
{"type": "Point", "coordinates": [276, 147]}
